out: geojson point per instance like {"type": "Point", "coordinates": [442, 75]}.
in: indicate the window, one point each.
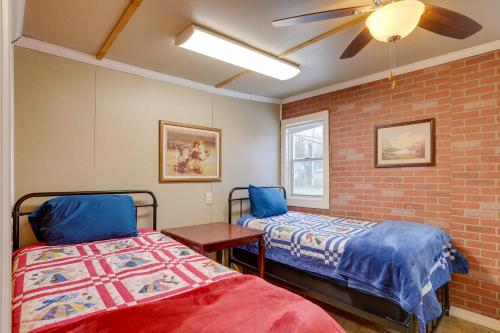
{"type": "Point", "coordinates": [305, 155]}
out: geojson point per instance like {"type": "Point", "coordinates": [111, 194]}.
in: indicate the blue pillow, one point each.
{"type": "Point", "coordinates": [266, 202]}
{"type": "Point", "coordinates": [84, 218]}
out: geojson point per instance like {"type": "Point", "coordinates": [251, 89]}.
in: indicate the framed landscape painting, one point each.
{"type": "Point", "coordinates": [189, 153]}
{"type": "Point", "coordinates": [405, 144]}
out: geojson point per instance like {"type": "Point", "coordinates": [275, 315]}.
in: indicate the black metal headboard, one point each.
{"type": "Point", "coordinates": [241, 199]}
{"type": "Point", "coordinates": [17, 213]}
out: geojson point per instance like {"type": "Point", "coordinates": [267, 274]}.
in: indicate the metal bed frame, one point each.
{"type": "Point", "coordinates": [301, 282]}
{"type": "Point", "coordinates": [17, 212]}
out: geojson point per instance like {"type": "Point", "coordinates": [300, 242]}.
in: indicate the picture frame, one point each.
{"type": "Point", "coordinates": [406, 144]}
{"type": "Point", "coordinates": [189, 153]}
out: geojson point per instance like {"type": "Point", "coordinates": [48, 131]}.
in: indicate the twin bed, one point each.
{"type": "Point", "coordinates": [143, 283]}
{"type": "Point", "coordinates": [393, 273]}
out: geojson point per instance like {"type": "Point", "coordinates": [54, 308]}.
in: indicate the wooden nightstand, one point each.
{"type": "Point", "coordinates": [219, 236]}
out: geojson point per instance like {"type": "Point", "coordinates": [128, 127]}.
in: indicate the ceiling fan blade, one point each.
{"type": "Point", "coordinates": [448, 23]}
{"type": "Point", "coordinates": [357, 44]}
{"type": "Point", "coordinates": [320, 16]}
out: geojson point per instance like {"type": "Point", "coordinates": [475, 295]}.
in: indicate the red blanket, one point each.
{"type": "Point", "coordinates": [239, 304]}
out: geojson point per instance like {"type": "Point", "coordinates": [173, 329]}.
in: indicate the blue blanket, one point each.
{"type": "Point", "coordinates": [404, 262]}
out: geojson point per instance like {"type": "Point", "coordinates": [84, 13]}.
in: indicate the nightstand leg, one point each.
{"type": "Point", "coordinates": [262, 256]}
{"type": "Point", "coordinates": [202, 251]}
{"type": "Point", "coordinates": [219, 257]}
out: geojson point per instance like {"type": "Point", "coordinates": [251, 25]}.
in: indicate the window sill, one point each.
{"type": "Point", "coordinates": [307, 202]}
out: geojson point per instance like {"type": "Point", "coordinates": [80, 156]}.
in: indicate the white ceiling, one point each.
{"type": "Point", "coordinates": [148, 39]}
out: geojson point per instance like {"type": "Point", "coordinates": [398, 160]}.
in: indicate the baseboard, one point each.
{"type": "Point", "coordinates": [475, 318]}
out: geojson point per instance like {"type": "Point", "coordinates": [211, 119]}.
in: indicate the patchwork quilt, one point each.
{"type": "Point", "coordinates": [311, 242]}
{"type": "Point", "coordinates": [55, 285]}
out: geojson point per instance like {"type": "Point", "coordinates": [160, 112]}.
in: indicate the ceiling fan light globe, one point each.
{"type": "Point", "coordinates": [399, 18]}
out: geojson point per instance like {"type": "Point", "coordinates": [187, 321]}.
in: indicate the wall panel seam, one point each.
{"type": "Point", "coordinates": [94, 129]}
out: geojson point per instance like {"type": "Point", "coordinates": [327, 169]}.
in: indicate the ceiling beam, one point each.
{"type": "Point", "coordinates": [300, 46]}
{"type": "Point", "coordinates": [232, 78]}
{"type": "Point", "coordinates": [120, 25]}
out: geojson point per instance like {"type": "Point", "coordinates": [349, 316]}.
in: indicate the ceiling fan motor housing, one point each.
{"type": "Point", "coordinates": [393, 39]}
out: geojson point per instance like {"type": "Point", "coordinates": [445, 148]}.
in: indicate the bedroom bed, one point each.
{"type": "Point", "coordinates": [304, 250]}
{"type": "Point", "coordinates": [145, 282]}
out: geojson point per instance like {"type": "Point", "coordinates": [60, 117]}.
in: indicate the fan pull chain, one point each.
{"type": "Point", "coordinates": [392, 62]}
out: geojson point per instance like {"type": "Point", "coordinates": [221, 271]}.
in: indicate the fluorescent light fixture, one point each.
{"type": "Point", "coordinates": [222, 48]}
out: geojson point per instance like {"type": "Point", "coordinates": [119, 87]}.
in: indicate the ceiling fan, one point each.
{"type": "Point", "coordinates": [391, 20]}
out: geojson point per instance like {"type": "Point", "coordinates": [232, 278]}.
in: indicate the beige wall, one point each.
{"type": "Point", "coordinates": [82, 127]}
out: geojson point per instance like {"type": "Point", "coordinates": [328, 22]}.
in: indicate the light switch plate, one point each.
{"type": "Point", "coordinates": [208, 198]}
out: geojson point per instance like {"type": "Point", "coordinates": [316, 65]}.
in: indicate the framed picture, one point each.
{"type": "Point", "coordinates": [189, 153]}
{"type": "Point", "coordinates": [406, 144]}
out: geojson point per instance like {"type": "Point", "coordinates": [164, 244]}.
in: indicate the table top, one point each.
{"type": "Point", "coordinates": [212, 233]}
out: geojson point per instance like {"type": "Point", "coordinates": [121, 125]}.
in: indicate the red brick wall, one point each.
{"type": "Point", "coordinates": [461, 194]}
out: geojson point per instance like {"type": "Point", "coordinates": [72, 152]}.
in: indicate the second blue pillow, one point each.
{"type": "Point", "coordinates": [266, 202]}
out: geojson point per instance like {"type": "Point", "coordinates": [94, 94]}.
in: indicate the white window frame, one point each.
{"type": "Point", "coordinates": [321, 202]}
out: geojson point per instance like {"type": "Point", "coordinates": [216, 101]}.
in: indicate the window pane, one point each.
{"type": "Point", "coordinates": [308, 143]}
{"type": "Point", "coordinates": [307, 177]}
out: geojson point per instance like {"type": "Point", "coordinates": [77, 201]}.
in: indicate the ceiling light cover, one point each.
{"type": "Point", "coordinates": [397, 19]}
{"type": "Point", "coordinates": [210, 44]}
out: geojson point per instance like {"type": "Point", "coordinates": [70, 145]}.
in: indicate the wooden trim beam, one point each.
{"type": "Point", "coordinates": [300, 46]}
{"type": "Point", "coordinates": [232, 78]}
{"type": "Point", "coordinates": [120, 25]}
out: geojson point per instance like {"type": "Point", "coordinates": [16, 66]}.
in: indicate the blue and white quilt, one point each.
{"type": "Point", "coordinates": [399, 261]}
{"type": "Point", "coordinates": [310, 242]}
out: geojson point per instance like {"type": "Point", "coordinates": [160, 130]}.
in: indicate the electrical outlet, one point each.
{"type": "Point", "coordinates": [208, 198]}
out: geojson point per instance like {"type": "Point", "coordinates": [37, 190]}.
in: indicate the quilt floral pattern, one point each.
{"type": "Point", "coordinates": [55, 285]}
